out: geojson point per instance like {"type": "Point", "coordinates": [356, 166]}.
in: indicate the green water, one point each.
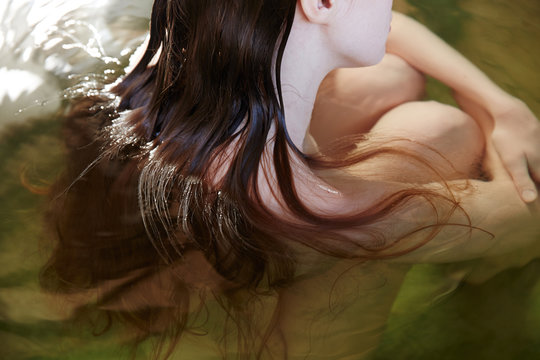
{"type": "Point", "coordinates": [434, 317]}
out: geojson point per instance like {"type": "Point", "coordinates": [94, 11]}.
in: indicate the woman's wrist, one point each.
{"type": "Point", "coordinates": [500, 105]}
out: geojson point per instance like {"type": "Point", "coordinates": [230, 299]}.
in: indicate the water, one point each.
{"type": "Point", "coordinates": [45, 44]}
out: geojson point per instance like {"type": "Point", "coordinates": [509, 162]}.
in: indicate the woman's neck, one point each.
{"type": "Point", "coordinates": [305, 63]}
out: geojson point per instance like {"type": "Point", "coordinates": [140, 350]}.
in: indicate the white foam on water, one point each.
{"type": "Point", "coordinates": [44, 42]}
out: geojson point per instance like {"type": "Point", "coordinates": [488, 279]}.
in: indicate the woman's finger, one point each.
{"type": "Point", "coordinates": [519, 172]}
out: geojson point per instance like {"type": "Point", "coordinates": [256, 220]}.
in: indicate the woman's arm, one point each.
{"type": "Point", "coordinates": [514, 129]}
{"type": "Point", "coordinates": [493, 220]}
{"type": "Point", "coordinates": [500, 222]}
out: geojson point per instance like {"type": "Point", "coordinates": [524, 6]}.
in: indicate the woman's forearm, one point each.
{"type": "Point", "coordinates": [429, 54]}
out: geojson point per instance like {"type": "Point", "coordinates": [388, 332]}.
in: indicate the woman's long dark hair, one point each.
{"type": "Point", "coordinates": [146, 198]}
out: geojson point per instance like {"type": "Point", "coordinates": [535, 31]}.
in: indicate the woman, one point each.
{"type": "Point", "coordinates": [192, 208]}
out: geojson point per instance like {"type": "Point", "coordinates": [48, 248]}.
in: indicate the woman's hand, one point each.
{"type": "Point", "coordinates": [516, 137]}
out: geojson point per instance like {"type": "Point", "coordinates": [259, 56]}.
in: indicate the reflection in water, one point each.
{"type": "Point", "coordinates": [45, 44]}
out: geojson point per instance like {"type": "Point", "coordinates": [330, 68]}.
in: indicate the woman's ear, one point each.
{"type": "Point", "coordinates": [317, 11]}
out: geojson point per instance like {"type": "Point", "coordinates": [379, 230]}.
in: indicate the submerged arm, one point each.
{"type": "Point", "coordinates": [513, 128]}
{"type": "Point", "coordinates": [493, 220]}
{"type": "Point", "coordinates": [500, 223]}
